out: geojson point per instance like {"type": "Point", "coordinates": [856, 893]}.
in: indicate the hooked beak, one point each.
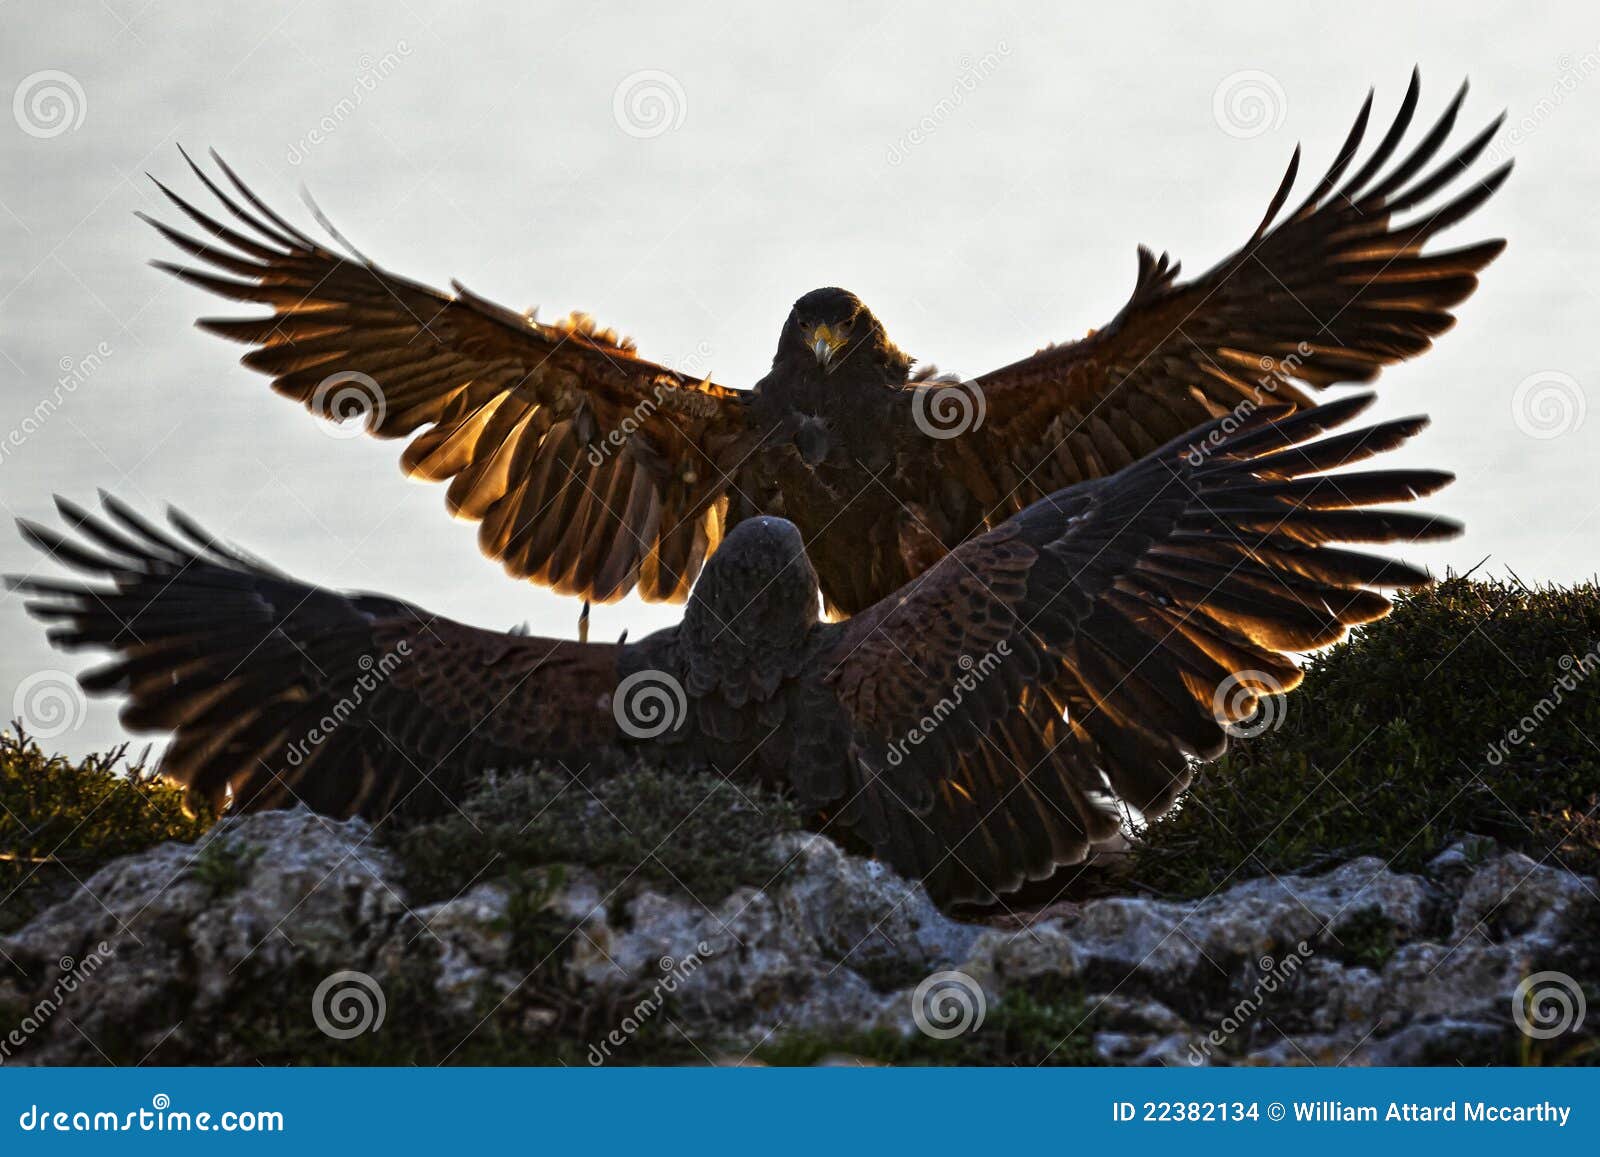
{"type": "Point", "coordinates": [825, 345]}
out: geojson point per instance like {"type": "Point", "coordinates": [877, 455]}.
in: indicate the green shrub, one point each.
{"type": "Point", "coordinates": [61, 820]}
{"type": "Point", "coordinates": [1400, 740]}
{"type": "Point", "coordinates": [1043, 1022]}
{"type": "Point", "coordinates": [695, 834]}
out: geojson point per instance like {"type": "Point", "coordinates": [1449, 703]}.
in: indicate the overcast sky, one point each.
{"type": "Point", "coordinates": [979, 174]}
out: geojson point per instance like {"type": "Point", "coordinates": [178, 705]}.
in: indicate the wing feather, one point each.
{"type": "Point", "coordinates": [1081, 655]}
{"type": "Point", "coordinates": [448, 365]}
{"type": "Point", "coordinates": [279, 692]}
{"type": "Point", "coordinates": [1331, 292]}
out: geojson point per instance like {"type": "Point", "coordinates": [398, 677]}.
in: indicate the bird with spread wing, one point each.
{"type": "Point", "coordinates": [977, 727]}
{"type": "Point", "coordinates": [596, 472]}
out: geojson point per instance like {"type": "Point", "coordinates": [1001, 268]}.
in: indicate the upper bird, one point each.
{"type": "Point", "coordinates": [595, 472]}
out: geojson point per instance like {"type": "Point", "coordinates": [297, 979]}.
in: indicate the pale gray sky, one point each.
{"type": "Point", "coordinates": [501, 147]}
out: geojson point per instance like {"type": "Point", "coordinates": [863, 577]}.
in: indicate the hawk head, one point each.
{"type": "Point", "coordinates": [830, 329]}
{"type": "Point", "coordinates": [757, 598]}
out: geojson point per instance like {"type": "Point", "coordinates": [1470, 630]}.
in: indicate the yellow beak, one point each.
{"type": "Point", "coordinates": [825, 344]}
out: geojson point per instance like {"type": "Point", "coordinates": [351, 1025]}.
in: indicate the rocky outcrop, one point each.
{"type": "Point", "coordinates": [1482, 954]}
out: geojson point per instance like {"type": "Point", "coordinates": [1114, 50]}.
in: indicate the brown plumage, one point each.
{"type": "Point", "coordinates": [596, 472]}
{"type": "Point", "coordinates": [976, 728]}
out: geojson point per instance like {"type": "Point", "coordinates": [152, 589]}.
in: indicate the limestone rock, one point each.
{"type": "Point", "coordinates": [1354, 965]}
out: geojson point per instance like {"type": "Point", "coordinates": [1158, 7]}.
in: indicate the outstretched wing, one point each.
{"type": "Point", "coordinates": [1079, 656]}
{"type": "Point", "coordinates": [590, 469]}
{"type": "Point", "coordinates": [277, 691]}
{"type": "Point", "coordinates": [1332, 292]}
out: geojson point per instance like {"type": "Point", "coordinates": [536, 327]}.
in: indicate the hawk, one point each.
{"type": "Point", "coordinates": [596, 472]}
{"type": "Point", "coordinates": [981, 725]}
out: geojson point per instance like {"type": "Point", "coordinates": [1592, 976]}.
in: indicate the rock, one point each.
{"type": "Point", "coordinates": [1511, 898]}
{"type": "Point", "coordinates": [1355, 965]}
{"type": "Point", "coordinates": [184, 929]}
{"type": "Point", "coordinates": [473, 946]}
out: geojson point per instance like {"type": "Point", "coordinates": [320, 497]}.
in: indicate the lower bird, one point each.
{"type": "Point", "coordinates": [986, 723]}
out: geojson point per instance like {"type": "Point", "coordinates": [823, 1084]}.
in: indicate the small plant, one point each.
{"type": "Point", "coordinates": [537, 934]}
{"type": "Point", "coordinates": [1366, 937]}
{"type": "Point", "coordinates": [1042, 1022]}
{"type": "Point", "coordinates": [223, 866]}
